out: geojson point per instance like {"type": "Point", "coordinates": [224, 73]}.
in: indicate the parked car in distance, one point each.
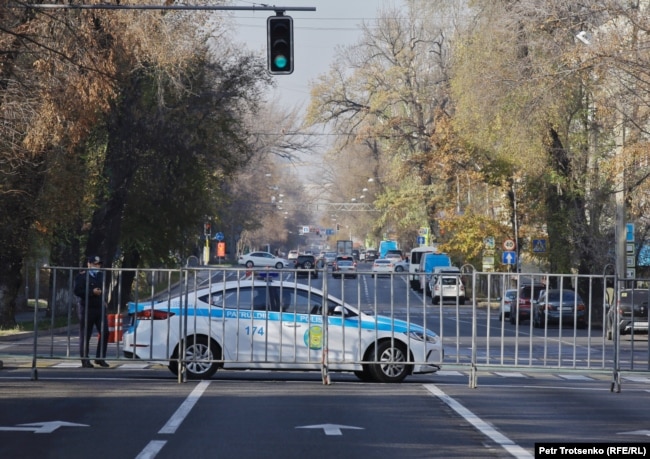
{"type": "Point", "coordinates": [522, 308]}
{"type": "Point", "coordinates": [414, 264]}
{"type": "Point", "coordinates": [382, 266]}
{"type": "Point", "coordinates": [371, 255]}
{"type": "Point", "coordinates": [262, 259]}
{"type": "Point", "coordinates": [630, 312]}
{"type": "Point", "coordinates": [306, 266]}
{"type": "Point", "coordinates": [559, 305]}
{"type": "Point", "coordinates": [509, 298]}
{"type": "Point", "coordinates": [395, 255]}
{"type": "Point", "coordinates": [276, 325]}
{"type": "Point", "coordinates": [445, 287]}
{"type": "Point", "coordinates": [344, 266]}
{"type": "Point", "coordinates": [402, 266]}
{"type": "Point", "coordinates": [293, 254]}
{"type": "Point", "coordinates": [432, 277]}
{"type": "Point", "coordinates": [429, 262]}
{"type": "Point", "coordinates": [329, 258]}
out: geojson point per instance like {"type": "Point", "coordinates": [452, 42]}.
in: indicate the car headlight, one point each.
{"type": "Point", "coordinates": [420, 336]}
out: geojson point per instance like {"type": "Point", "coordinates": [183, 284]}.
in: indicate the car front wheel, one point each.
{"type": "Point", "coordinates": [392, 366]}
{"type": "Point", "coordinates": [249, 264]}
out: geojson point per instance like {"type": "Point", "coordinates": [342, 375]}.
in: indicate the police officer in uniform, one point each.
{"type": "Point", "coordinates": [88, 287]}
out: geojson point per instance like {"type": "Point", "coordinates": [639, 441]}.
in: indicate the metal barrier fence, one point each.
{"type": "Point", "coordinates": [197, 320]}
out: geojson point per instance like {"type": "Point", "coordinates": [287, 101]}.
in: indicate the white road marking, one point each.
{"type": "Point", "coordinates": [482, 426]}
{"type": "Point", "coordinates": [154, 446]}
{"type": "Point", "coordinates": [181, 413]}
{"type": "Point", "coordinates": [513, 374]}
{"type": "Point", "coordinates": [330, 429]}
{"type": "Point", "coordinates": [575, 377]}
{"type": "Point", "coordinates": [151, 450]}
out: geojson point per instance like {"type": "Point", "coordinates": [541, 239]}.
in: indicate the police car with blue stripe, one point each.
{"type": "Point", "coordinates": [276, 325]}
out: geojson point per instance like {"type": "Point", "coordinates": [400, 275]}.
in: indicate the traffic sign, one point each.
{"type": "Point", "coordinates": [629, 232]}
{"type": "Point", "coordinates": [421, 240]}
{"type": "Point", "coordinates": [509, 258]}
{"type": "Point", "coordinates": [539, 245]}
{"type": "Point", "coordinates": [219, 236]}
{"type": "Point", "coordinates": [509, 245]}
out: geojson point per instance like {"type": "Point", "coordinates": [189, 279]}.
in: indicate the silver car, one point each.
{"type": "Point", "coordinates": [262, 259]}
{"type": "Point", "coordinates": [509, 298]}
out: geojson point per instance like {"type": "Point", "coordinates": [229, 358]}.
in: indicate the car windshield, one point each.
{"type": "Point", "coordinates": [526, 292]}
{"type": "Point", "coordinates": [449, 280]}
{"type": "Point", "coordinates": [637, 297]}
{"type": "Point", "coordinates": [566, 296]}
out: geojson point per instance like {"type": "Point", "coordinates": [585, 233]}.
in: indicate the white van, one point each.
{"type": "Point", "coordinates": [414, 264]}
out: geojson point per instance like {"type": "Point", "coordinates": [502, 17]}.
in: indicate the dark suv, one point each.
{"type": "Point", "coordinates": [527, 294]}
{"type": "Point", "coordinates": [632, 314]}
{"type": "Point", "coordinates": [305, 266]}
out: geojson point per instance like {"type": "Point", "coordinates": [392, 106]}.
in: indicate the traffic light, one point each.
{"type": "Point", "coordinates": [207, 229]}
{"type": "Point", "coordinates": [280, 44]}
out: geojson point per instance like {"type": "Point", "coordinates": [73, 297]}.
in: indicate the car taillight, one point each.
{"type": "Point", "coordinates": [581, 307]}
{"type": "Point", "coordinates": [153, 314]}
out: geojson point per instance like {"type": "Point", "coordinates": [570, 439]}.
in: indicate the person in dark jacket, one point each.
{"type": "Point", "coordinates": [88, 287]}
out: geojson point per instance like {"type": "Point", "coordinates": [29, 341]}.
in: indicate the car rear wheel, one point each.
{"type": "Point", "coordinates": [199, 353]}
{"type": "Point", "coordinates": [392, 366]}
{"type": "Point", "coordinates": [278, 265]}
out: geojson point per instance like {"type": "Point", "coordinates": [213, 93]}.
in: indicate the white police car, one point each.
{"type": "Point", "coordinates": [276, 325]}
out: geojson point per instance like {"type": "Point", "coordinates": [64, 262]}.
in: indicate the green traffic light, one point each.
{"type": "Point", "coordinates": [280, 61]}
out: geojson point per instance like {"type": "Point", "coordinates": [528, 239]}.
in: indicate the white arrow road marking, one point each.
{"type": "Point", "coordinates": [636, 432]}
{"type": "Point", "coordinates": [330, 429]}
{"type": "Point", "coordinates": [42, 427]}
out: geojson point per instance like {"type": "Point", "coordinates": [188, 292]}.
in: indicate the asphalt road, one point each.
{"type": "Point", "coordinates": [69, 413]}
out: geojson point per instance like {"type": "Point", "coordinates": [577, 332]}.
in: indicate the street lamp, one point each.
{"type": "Point", "coordinates": [619, 181]}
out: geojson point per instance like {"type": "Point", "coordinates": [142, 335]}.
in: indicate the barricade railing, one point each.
{"type": "Point", "coordinates": [475, 331]}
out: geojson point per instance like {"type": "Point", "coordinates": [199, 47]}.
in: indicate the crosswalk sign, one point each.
{"type": "Point", "coordinates": [539, 245]}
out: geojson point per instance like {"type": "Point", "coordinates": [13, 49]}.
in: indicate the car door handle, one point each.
{"type": "Point", "coordinates": [291, 325]}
